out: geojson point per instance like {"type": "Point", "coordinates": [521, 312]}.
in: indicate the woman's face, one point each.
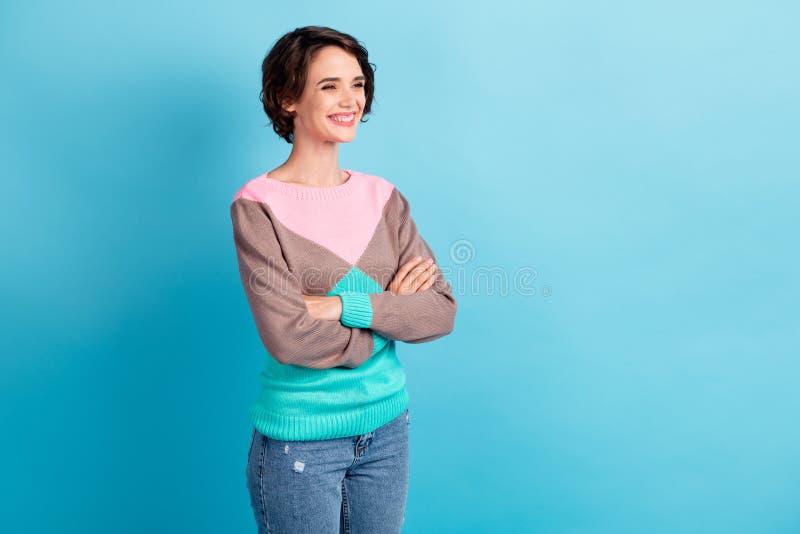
{"type": "Point", "coordinates": [323, 97]}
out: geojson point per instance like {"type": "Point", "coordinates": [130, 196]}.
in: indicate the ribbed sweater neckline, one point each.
{"type": "Point", "coordinates": [308, 192]}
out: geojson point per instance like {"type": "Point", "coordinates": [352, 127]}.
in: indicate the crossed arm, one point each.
{"type": "Point", "coordinates": [417, 317]}
{"type": "Point", "coordinates": [416, 275]}
{"type": "Point", "coordinates": [290, 334]}
{"type": "Point", "coordinates": [342, 330]}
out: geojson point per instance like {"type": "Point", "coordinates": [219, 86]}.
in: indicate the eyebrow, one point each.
{"type": "Point", "coordinates": [339, 79]}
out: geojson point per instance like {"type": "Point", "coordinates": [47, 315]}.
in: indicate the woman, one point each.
{"type": "Point", "coordinates": [335, 273]}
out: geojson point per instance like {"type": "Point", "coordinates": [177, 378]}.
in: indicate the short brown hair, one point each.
{"type": "Point", "coordinates": [285, 68]}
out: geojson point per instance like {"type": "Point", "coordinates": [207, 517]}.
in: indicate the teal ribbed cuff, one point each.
{"type": "Point", "coordinates": [356, 309]}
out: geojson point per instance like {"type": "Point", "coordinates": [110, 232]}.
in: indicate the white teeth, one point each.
{"type": "Point", "coordinates": [343, 118]}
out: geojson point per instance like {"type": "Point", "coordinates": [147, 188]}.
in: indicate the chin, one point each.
{"type": "Point", "coordinates": [344, 138]}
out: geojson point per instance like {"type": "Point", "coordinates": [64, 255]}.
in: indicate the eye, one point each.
{"type": "Point", "coordinates": [330, 86]}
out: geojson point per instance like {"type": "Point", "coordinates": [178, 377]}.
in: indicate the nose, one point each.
{"type": "Point", "coordinates": [349, 101]}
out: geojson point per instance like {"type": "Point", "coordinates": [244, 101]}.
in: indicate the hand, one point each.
{"type": "Point", "coordinates": [414, 275]}
{"type": "Point", "coordinates": [328, 308]}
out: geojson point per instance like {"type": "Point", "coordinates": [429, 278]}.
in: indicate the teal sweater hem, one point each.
{"type": "Point", "coordinates": [353, 422]}
{"type": "Point", "coordinates": [304, 404]}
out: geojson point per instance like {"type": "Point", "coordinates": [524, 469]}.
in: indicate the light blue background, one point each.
{"type": "Point", "coordinates": [641, 158]}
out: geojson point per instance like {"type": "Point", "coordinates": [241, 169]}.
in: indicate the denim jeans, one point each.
{"type": "Point", "coordinates": [353, 485]}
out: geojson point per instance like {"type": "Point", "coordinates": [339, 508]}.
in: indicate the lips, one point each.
{"type": "Point", "coordinates": [341, 122]}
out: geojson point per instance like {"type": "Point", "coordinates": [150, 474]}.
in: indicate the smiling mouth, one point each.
{"type": "Point", "coordinates": [343, 119]}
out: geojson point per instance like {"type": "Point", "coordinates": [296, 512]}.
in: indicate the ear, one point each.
{"type": "Point", "coordinates": [288, 108]}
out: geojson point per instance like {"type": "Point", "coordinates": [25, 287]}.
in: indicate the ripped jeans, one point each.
{"type": "Point", "coordinates": [352, 485]}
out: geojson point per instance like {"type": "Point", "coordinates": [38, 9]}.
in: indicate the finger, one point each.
{"type": "Point", "coordinates": [430, 277]}
{"type": "Point", "coordinates": [419, 270]}
{"type": "Point", "coordinates": [428, 283]}
{"type": "Point", "coordinates": [414, 260]}
{"type": "Point", "coordinates": [406, 267]}
{"type": "Point", "coordinates": [411, 283]}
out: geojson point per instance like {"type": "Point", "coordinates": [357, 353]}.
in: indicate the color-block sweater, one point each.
{"type": "Point", "coordinates": [326, 379]}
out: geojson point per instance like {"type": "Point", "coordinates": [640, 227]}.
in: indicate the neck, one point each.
{"type": "Point", "coordinates": [311, 164]}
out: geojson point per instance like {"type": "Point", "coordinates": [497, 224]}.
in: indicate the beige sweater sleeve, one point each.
{"type": "Point", "coordinates": [289, 333]}
{"type": "Point", "coordinates": [415, 318]}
